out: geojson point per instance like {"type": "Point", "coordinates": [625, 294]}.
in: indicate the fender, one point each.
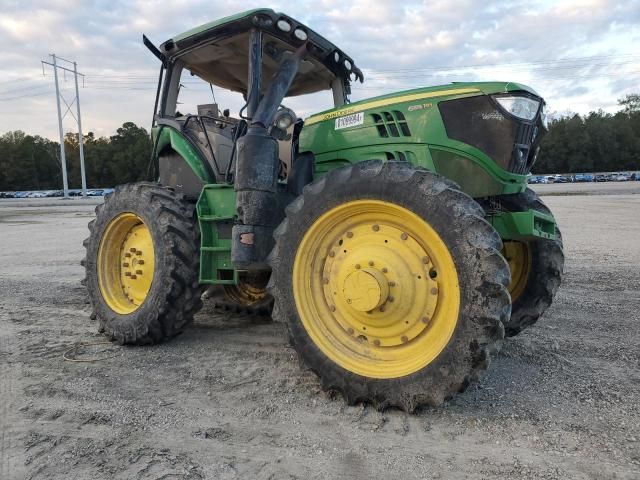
{"type": "Point", "coordinates": [168, 136]}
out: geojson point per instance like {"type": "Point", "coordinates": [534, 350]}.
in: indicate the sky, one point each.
{"type": "Point", "coordinates": [581, 56]}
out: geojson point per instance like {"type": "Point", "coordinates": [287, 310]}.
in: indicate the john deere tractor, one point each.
{"type": "Point", "coordinates": [394, 236]}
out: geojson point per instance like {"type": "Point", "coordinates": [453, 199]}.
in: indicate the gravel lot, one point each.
{"type": "Point", "coordinates": [227, 400]}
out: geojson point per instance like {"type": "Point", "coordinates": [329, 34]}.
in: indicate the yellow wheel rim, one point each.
{"type": "Point", "coordinates": [376, 289]}
{"type": "Point", "coordinates": [518, 255]}
{"type": "Point", "coordinates": [125, 263]}
{"type": "Point", "coordinates": [248, 290]}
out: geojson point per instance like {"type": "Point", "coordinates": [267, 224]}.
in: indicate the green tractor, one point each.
{"type": "Point", "coordinates": [394, 236]}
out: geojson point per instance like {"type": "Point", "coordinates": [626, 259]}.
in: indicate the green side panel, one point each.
{"type": "Point", "coordinates": [410, 122]}
{"type": "Point", "coordinates": [527, 225]}
{"type": "Point", "coordinates": [216, 207]}
{"type": "Point", "coordinates": [166, 136]}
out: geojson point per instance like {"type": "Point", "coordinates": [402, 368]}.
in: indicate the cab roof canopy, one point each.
{"type": "Point", "coordinates": [218, 52]}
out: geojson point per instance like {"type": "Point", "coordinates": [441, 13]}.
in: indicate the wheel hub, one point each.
{"type": "Point", "coordinates": [381, 284]}
{"type": "Point", "coordinates": [365, 289]}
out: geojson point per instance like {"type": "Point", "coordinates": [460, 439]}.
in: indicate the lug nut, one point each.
{"type": "Point", "coordinates": [140, 262]}
{"type": "Point", "coordinates": [133, 277]}
{"type": "Point", "coordinates": [132, 250]}
{"type": "Point", "coordinates": [391, 299]}
{"type": "Point", "coordinates": [332, 308]}
{"type": "Point", "coordinates": [349, 234]}
{"type": "Point", "coordinates": [139, 252]}
{"type": "Point", "coordinates": [384, 270]}
{"type": "Point", "coordinates": [332, 253]}
{"type": "Point", "coordinates": [404, 339]}
{"type": "Point", "coordinates": [376, 342]}
{"type": "Point", "coordinates": [357, 266]}
{"type": "Point", "coordinates": [127, 255]}
{"type": "Point", "coordinates": [127, 274]}
{"type": "Point", "coordinates": [425, 320]}
{"type": "Point", "coordinates": [125, 264]}
{"type": "Point", "coordinates": [376, 228]}
{"type": "Point", "coordinates": [434, 291]}
{"type": "Point", "coordinates": [139, 272]}
{"type": "Point", "coordinates": [425, 260]}
{"type": "Point", "coordinates": [392, 283]}
{"type": "Point", "coordinates": [404, 236]}
{"type": "Point", "coordinates": [370, 263]}
{"type": "Point", "coordinates": [350, 331]}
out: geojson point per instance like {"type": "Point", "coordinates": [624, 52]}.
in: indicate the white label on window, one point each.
{"type": "Point", "coordinates": [350, 121]}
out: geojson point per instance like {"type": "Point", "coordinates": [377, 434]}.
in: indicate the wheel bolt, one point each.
{"type": "Point", "coordinates": [133, 277]}
{"type": "Point", "coordinates": [434, 291]}
{"type": "Point", "coordinates": [376, 342]}
{"type": "Point", "coordinates": [140, 262]}
{"type": "Point", "coordinates": [139, 252]}
{"type": "Point", "coordinates": [376, 228]}
{"type": "Point", "coordinates": [349, 234]}
{"type": "Point", "coordinates": [392, 283]}
{"type": "Point", "coordinates": [404, 339]}
{"type": "Point", "coordinates": [332, 253]}
{"type": "Point", "coordinates": [127, 255]}
{"type": "Point", "coordinates": [350, 331]}
{"type": "Point", "coordinates": [357, 266]}
{"type": "Point", "coordinates": [425, 320]}
{"type": "Point", "coordinates": [384, 270]}
{"type": "Point", "coordinates": [332, 308]}
{"type": "Point", "coordinates": [370, 263]}
{"type": "Point", "coordinates": [127, 274]}
{"type": "Point", "coordinates": [425, 260]}
{"type": "Point", "coordinates": [125, 264]}
{"type": "Point", "coordinates": [404, 236]}
{"type": "Point", "coordinates": [132, 250]}
{"type": "Point", "coordinates": [139, 272]}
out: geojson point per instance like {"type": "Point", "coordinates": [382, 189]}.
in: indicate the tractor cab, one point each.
{"type": "Point", "coordinates": [244, 53]}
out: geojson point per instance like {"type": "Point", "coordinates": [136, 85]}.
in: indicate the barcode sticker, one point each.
{"type": "Point", "coordinates": [350, 120]}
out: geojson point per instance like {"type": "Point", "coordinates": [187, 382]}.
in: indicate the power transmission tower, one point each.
{"type": "Point", "coordinates": [61, 117]}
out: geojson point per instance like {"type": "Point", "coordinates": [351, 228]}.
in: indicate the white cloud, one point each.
{"type": "Point", "coordinates": [397, 44]}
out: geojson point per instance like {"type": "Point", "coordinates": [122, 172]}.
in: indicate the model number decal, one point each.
{"type": "Point", "coordinates": [350, 120]}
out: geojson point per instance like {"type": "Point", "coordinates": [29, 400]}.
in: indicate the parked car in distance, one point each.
{"type": "Point", "coordinates": [583, 177]}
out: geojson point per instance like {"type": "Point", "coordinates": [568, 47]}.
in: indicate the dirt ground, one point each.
{"type": "Point", "coordinates": [227, 400]}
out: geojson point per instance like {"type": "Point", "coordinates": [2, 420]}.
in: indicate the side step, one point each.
{"type": "Point", "coordinates": [216, 213]}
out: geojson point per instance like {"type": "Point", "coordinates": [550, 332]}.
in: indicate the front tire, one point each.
{"type": "Point", "coordinates": [536, 268]}
{"type": "Point", "coordinates": [391, 284]}
{"type": "Point", "coordinates": [142, 264]}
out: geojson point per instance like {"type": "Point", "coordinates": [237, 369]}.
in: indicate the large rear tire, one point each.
{"type": "Point", "coordinates": [536, 268]}
{"type": "Point", "coordinates": [142, 264]}
{"type": "Point", "coordinates": [391, 284]}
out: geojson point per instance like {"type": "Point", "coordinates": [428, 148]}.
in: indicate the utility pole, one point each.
{"type": "Point", "coordinates": [59, 96]}
{"type": "Point", "coordinates": [80, 138]}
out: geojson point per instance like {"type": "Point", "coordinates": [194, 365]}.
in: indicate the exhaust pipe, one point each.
{"type": "Point", "coordinates": [259, 205]}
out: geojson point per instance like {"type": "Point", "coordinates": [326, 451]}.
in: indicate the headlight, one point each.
{"type": "Point", "coordinates": [284, 118]}
{"type": "Point", "coordinates": [284, 25]}
{"type": "Point", "coordinates": [300, 34]}
{"type": "Point", "coordinates": [347, 64]}
{"type": "Point", "coordinates": [521, 107]}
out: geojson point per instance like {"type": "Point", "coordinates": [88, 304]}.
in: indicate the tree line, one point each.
{"type": "Point", "coordinates": [597, 142]}
{"type": "Point", "coordinates": [31, 162]}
